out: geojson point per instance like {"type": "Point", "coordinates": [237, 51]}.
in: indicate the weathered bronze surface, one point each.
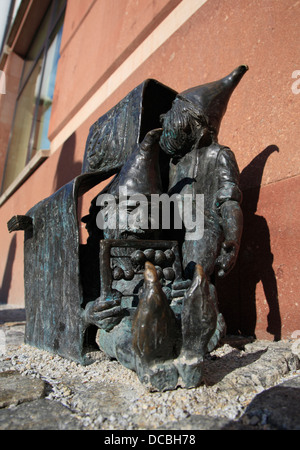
{"type": "Point", "coordinates": [141, 289]}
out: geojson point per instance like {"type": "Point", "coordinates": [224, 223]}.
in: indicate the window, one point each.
{"type": "Point", "coordinates": [34, 102]}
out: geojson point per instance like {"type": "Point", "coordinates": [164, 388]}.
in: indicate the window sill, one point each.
{"type": "Point", "coordinates": [36, 161]}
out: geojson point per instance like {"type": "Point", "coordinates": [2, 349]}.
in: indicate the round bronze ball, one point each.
{"type": "Point", "coordinates": [150, 254]}
{"type": "Point", "coordinates": [170, 256]}
{"type": "Point", "coordinates": [118, 273]}
{"type": "Point", "coordinates": [128, 274]}
{"type": "Point", "coordinates": [160, 258]}
{"type": "Point", "coordinates": [138, 257]}
{"type": "Point", "coordinates": [159, 272]}
{"type": "Point", "coordinates": [169, 274]}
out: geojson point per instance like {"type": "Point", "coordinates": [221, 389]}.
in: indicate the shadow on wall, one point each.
{"type": "Point", "coordinates": [67, 169]}
{"type": "Point", "coordinates": [6, 281]}
{"type": "Point", "coordinates": [255, 262]}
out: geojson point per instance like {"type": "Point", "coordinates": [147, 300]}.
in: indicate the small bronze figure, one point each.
{"type": "Point", "coordinates": [142, 286]}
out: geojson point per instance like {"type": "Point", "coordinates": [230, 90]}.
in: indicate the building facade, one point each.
{"type": "Point", "coordinates": [66, 63]}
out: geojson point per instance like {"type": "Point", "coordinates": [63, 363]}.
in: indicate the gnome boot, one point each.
{"type": "Point", "coordinates": [199, 320]}
{"type": "Point", "coordinates": [220, 330]}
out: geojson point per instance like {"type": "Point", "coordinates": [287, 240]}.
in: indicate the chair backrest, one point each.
{"type": "Point", "coordinates": [113, 136]}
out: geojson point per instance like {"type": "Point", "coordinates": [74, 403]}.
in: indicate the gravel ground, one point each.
{"type": "Point", "coordinates": [105, 395]}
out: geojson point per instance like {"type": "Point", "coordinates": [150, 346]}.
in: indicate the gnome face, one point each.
{"type": "Point", "coordinates": [182, 127]}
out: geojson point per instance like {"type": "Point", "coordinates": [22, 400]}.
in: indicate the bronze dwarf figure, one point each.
{"type": "Point", "coordinates": [143, 289]}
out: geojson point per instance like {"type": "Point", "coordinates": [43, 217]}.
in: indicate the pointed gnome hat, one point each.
{"type": "Point", "coordinates": [211, 99]}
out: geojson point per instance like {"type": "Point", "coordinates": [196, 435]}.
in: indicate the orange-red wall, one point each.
{"type": "Point", "coordinates": [261, 295]}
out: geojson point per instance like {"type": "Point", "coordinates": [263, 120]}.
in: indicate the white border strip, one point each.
{"type": "Point", "coordinates": [160, 35]}
{"type": "Point", "coordinates": [33, 164]}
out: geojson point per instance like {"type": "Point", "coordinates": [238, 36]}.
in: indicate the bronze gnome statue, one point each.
{"type": "Point", "coordinates": [146, 290]}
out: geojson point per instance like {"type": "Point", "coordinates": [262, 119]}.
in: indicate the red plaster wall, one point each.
{"type": "Point", "coordinates": [261, 127]}
{"type": "Point", "coordinates": [114, 30]}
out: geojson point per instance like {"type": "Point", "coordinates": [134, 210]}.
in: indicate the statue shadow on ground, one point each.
{"type": "Point", "coordinates": [216, 368]}
{"type": "Point", "coordinates": [237, 292]}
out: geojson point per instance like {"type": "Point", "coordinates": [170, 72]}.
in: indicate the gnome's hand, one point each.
{"type": "Point", "coordinates": [105, 314]}
{"type": "Point", "coordinates": [179, 287]}
{"type": "Point", "coordinates": [227, 258]}
{"type": "Point", "coordinates": [151, 138]}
